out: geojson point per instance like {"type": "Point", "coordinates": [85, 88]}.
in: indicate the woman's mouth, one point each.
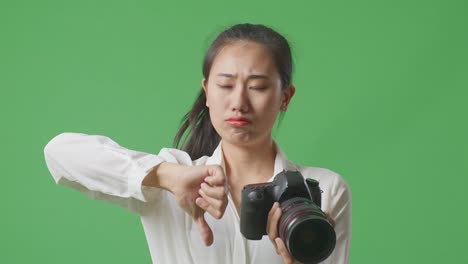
{"type": "Point", "coordinates": [237, 121]}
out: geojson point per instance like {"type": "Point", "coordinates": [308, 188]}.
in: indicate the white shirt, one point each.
{"type": "Point", "coordinates": [102, 169]}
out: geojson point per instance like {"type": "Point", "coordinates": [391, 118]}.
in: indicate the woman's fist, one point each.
{"type": "Point", "coordinates": [197, 189]}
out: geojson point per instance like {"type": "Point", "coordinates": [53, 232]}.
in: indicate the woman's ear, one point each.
{"type": "Point", "coordinates": [205, 86]}
{"type": "Point", "coordinates": [288, 93]}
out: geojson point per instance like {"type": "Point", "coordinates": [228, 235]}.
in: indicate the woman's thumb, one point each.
{"type": "Point", "coordinates": [205, 230]}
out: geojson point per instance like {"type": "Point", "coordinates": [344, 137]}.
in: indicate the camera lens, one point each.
{"type": "Point", "coordinates": [305, 229]}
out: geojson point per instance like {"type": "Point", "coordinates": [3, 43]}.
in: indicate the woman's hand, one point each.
{"type": "Point", "coordinates": [272, 230]}
{"type": "Point", "coordinates": [197, 189]}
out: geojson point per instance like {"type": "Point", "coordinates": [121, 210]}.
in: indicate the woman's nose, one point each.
{"type": "Point", "coordinates": [239, 99]}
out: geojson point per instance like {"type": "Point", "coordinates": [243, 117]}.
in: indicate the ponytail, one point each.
{"type": "Point", "coordinates": [201, 138]}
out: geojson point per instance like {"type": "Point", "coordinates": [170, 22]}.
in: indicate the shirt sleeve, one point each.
{"type": "Point", "coordinates": [103, 170]}
{"type": "Point", "coordinates": [340, 211]}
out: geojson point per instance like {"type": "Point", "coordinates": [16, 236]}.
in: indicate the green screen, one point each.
{"type": "Point", "coordinates": [381, 99]}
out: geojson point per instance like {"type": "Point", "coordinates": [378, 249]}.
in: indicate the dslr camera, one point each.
{"type": "Point", "coordinates": [304, 228]}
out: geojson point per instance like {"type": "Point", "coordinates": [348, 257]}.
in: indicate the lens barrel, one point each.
{"type": "Point", "coordinates": [306, 231]}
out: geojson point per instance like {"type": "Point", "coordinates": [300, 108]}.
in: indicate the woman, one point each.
{"type": "Point", "coordinates": [189, 200]}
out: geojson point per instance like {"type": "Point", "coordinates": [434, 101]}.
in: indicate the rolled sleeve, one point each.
{"type": "Point", "coordinates": [102, 169]}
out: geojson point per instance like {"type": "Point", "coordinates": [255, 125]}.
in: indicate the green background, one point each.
{"type": "Point", "coordinates": [381, 99]}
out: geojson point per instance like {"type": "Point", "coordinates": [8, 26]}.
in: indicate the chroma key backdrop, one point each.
{"type": "Point", "coordinates": [381, 99]}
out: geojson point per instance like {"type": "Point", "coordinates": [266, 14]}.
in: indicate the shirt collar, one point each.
{"type": "Point", "coordinates": [281, 161]}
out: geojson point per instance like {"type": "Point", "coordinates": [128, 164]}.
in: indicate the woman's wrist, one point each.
{"type": "Point", "coordinates": [161, 176]}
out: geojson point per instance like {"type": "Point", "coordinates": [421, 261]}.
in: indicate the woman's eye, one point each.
{"type": "Point", "coordinates": [252, 87]}
{"type": "Point", "coordinates": [259, 88]}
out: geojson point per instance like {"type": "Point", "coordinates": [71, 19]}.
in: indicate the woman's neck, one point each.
{"type": "Point", "coordinates": [249, 164]}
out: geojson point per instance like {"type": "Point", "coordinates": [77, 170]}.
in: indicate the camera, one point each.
{"type": "Point", "coordinates": [304, 228]}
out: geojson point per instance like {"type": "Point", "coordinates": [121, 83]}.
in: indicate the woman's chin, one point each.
{"type": "Point", "coordinates": [243, 138]}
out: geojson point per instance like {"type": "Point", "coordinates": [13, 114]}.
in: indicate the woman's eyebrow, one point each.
{"type": "Point", "coordinates": [251, 76]}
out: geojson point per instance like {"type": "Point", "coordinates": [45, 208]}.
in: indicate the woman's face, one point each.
{"type": "Point", "coordinates": [244, 94]}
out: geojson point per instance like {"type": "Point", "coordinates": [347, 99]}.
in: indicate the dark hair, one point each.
{"type": "Point", "coordinates": [202, 138]}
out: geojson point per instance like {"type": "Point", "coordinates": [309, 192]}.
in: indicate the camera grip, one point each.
{"type": "Point", "coordinates": [254, 213]}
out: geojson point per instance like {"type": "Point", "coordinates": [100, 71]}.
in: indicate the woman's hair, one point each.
{"type": "Point", "coordinates": [201, 138]}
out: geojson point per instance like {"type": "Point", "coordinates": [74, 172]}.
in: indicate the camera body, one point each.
{"type": "Point", "coordinates": [303, 226]}
{"type": "Point", "coordinates": [257, 200]}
